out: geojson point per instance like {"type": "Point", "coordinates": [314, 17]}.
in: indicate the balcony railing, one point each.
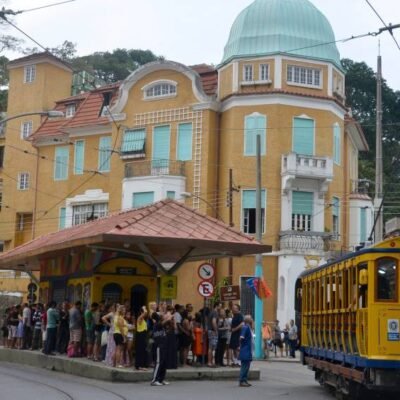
{"type": "Point", "coordinates": [307, 166]}
{"type": "Point", "coordinates": [154, 168]}
{"type": "Point", "coordinates": [303, 242]}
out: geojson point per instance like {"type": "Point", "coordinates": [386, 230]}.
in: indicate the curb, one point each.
{"type": "Point", "coordinates": [88, 369]}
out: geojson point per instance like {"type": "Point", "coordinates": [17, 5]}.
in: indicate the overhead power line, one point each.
{"type": "Point", "coordinates": [4, 12]}
{"type": "Point", "coordinates": [389, 27]}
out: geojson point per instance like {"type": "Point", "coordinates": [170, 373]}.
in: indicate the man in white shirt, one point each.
{"type": "Point", "coordinates": [27, 321]}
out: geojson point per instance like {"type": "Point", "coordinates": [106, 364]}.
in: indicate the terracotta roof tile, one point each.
{"type": "Point", "coordinates": [209, 78]}
{"type": "Point", "coordinates": [166, 219]}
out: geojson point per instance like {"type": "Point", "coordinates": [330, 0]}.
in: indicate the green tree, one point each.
{"type": "Point", "coordinates": [361, 97]}
{"type": "Point", "coordinates": [116, 65]}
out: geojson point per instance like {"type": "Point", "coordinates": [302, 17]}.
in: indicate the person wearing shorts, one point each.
{"type": "Point", "coordinates": [89, 329]}
{"type": "Point", "coordinates": [75, 327]}
{"type": "Point", "coordinates": [213, 333]}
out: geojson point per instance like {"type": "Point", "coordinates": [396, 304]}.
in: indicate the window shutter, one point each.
{"type": "Point", "coordinates": [363, 225]}
{"type": "Point", "coordinates": [254, 125]}
{"type": "Point", "coordinates": [142, 199]}
{"type": "Point", "coordinates": [303, 136]}
{"type": "Point", "coordinates": [184, 146]}
{"type": "Point", "coordinates": [62, 217]}
{"type": "Point", "coordinates": [105, 154]}
{"type": "Point", "coordinates": [61, 163]}
{"type": "Point", "coordinates": [302, 203]}
{"type": "Point", "coordinates": [171, 194]}
{"type": "Point", "coordinates": [335, 206]}
{"type": "Point", "coordinates": [161, 143]}
{"type": "Point", "coordinates": [336, 144]}
{"type": "Point", "coordinates": [133, 141]}
{"type": "Point", "coordinates": [249, 199]}
{"type": "Point", "coordinates": [79, 157]}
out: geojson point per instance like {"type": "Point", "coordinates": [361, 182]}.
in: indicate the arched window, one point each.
{"type": "Point", "coordinates": [112, 293]}
{"type": "Point", "coordinates": [164, 88]}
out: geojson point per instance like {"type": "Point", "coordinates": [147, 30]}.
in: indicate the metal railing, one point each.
{"type": "Point", "coordinates": [154, 168]}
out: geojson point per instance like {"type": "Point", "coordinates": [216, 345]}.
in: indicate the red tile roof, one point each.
{"type": "Point", "coordinates": [209, 78]}
{"type": "Point", "coordinates": [168, 228]}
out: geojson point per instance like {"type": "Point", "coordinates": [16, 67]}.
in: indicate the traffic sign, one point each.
{"type": "Point", "coordinates": [32, 287]}
{"type": "Point", "coordinates": [206, 271]}
{"type": "Point", "coordinates": [206, 289]}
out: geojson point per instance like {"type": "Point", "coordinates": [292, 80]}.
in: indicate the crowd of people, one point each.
{"type": "Point", "coordinates": [274, 338]}
{"type": "Point", "coordinates": [161, 336]}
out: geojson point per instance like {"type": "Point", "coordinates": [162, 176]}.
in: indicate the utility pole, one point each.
{"type": "Point", "coordinates": [258, 312]}
{"type": "Point", "coordinates": [378, 162]}
{"type": "Point", "coordinates": [229, 201]}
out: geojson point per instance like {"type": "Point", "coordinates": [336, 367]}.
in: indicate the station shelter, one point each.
{"type": "Point", "coordinates": [120, 258]}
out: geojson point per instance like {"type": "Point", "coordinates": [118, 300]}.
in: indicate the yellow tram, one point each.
{"type": "Point", "coordinates": [349, 315]}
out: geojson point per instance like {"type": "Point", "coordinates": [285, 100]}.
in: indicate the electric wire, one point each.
{"type": "Point", "coordinates": [384, 23]}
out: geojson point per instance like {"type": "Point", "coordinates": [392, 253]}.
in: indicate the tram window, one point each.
{"type": "Point", "coordinates": [345, 289]}
{"type": "Point", "coordinates": [340, 289]}
{"type": "Point", "coordinates": [386, 279]}
{"type": "Point", "coordinates": [362, 289]}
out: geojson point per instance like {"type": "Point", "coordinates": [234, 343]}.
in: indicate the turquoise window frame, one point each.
{"type": "Point", "coordinates": [171, 194]}
{"type": "Point", "coordinates": [302, 202]}
{"type": "Point", "coordinates": [161, 147]}
{"type": "Point", "coordinates": [337, 144]}
{"type": "Point", "coordinates": [303, 137]}
{"type": "Point", "coordinates": [255, 124]}
{"type": "Point", "coordinates": [105, 154]}
{"type": "Point", "coordinates": [61, 163]}
{"type": "Point", "coordinates": [184, 142]}
{"type": "Point", "coordinates": [142, 199]}
{"type": "Point", "coordinates": [62, 218]}
{"type": "Point", "coordinates": [79, 157]}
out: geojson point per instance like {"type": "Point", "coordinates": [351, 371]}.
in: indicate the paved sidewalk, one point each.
{"type": "Point", "coordinates": [97, 370]}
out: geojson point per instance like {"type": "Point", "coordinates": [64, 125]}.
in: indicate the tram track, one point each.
{"type": "Point", "coordinates": [19, 374]}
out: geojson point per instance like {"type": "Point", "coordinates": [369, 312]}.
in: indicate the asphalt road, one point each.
{"type": "Point", "coordinates": [279, 380]}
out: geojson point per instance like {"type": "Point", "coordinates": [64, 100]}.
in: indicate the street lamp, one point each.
{"type": "Point", "coordinates": [188, 195]}
{"type": "Point", "coordinates": [50, 114]}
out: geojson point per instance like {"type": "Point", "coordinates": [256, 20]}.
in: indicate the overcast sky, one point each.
{"type": "Point", "coordinates": [194, 31]}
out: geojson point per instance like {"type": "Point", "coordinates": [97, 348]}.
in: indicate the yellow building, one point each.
{"type": "Point", "coordinates": [169, 130]}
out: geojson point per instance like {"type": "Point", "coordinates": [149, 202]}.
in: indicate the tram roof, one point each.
{"type": "Point", "coordinates": [163, 232]}
{"type": "Point", "coordinates": [352, 255]}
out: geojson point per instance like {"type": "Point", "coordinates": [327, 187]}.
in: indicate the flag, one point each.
{"type": "Point", "coordinates": [263, 289]}
{"type": "Point", "coordinates": [259, 287]}
{"type": "Point", "coordinates": [252, 283]}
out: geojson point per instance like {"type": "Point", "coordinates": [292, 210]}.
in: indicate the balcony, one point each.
{"type": "Point", "coordinates": [305, 242]}
{"type": "Point", "coordinates": [296, 166]}
{"type": "Point", "coordinates": [154, 168]}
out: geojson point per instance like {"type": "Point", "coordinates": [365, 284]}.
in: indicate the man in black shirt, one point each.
{"type": "Point", "coordinates": [160, 342]}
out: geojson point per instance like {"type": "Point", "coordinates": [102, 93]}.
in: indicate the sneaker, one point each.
{"type": "Point", "coordinates": [156, 383]}
{"type": "Point", "coordinates": [164, 383]}
{"type": "Point", "coordinates": [244, 384]}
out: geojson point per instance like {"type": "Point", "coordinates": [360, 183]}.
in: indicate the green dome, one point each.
{"type": "Point", "coordinates": [293, 27]}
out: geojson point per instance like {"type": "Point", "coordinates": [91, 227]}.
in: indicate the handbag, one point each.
{"type": "Point", "coordinates": [104, 338]}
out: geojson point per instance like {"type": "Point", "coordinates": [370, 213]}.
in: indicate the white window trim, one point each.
{"type": "Point", "coordinates": [70, 110]}
{"type": "Point", "coordinates": [260, 72]}
{"type": "Point", "coordinates": [152, 84]}
{"type": "Point", "coordinates": [244, 73]}
{"type": "Point", "coordinates": [26, 181]}
{"type": "Point", "coordinates": [30, 129]}
{"type": "Point", "coordinates": [32, 74]}
{"type": "Point", "coordinates": [292, 83]}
